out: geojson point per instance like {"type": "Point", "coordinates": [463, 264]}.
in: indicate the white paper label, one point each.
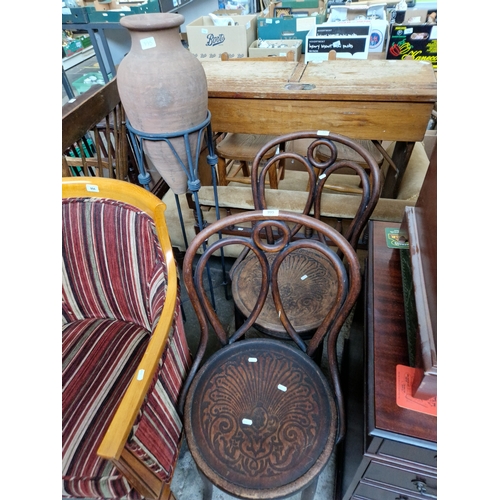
{"type": "Point", "coordinates": [322, 176]}
{"type": "Point", "coordinates": [140, 375]}
{"type": "Point", "coordinates": [323, 132]}
{"type": "Point", "coordinates": [281, 387]}
{"type": "Point", "coordinates": [246, 421]}
{"type": "Point", "coordinates": [305, 23]}
{"type": "Point", "coordinates": [148, 43]}
{"type": "Point", "coordinates": [304, 277]}
{"type": "Point", "coordinates": [252, 360]}
{"type": "Point", "coordinates": [270, 213]}
{"type": "Point", "coordinates": [92, 188]}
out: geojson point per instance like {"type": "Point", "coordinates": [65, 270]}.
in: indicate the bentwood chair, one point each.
{"type": "Point", "coordinates": [97, 145]}
{"type": "Point", "coordinates": [261, 419]}
{"type": "Point", "coordinates": [124, 351]}
{"type": "Point", "coordinates": [363, 185]}
{"type": "Point", "coordinates": [236, 152]}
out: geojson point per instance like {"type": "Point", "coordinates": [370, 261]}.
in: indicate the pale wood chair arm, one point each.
{"type": "Point", "coordinates": [119, 429]}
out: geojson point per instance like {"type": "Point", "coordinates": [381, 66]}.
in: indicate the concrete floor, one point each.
{"type": "Point", "coordinates": [187, 484]}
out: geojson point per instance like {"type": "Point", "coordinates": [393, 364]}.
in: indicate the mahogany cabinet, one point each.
{"type": "Point", "coordinates": [389, 453]}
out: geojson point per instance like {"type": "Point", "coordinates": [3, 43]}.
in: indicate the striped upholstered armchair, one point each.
{"type": "Point", "coordinates": [124, 351]}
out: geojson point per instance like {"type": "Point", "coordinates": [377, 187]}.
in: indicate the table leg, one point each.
{"type": "Point", "coordinates": [400, 157]}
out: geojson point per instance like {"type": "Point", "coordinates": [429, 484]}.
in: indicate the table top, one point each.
{"type": "Point", "coordinates": [359, 80]}
{"type": "Point", "coordinates": [387, 345]}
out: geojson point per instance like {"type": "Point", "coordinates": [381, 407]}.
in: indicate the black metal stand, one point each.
{"type": "Point", "coordinates": [191, 169]}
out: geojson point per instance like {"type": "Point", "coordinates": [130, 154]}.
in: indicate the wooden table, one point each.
{"type": "Point", "coordinates": [364, 99]}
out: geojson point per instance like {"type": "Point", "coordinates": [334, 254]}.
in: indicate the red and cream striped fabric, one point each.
{"type": "Point", "coordinates": [113, 292]}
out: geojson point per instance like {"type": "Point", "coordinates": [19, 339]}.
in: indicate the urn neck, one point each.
{"type": "Point", "coordinates": [161, 27]}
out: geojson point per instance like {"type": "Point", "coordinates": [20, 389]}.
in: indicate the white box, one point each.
{"type": "Point", "coordinates": [208, 42]}
{"type": "Point", "coordinates": [349, 40]}
{"type": "Point", "coordinates": [376, 14]}
{"type": "Point", "coordinates": [285, 46]}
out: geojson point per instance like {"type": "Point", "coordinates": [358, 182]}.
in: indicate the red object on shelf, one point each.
{"type": "Point", "coordinates": [404, 398]}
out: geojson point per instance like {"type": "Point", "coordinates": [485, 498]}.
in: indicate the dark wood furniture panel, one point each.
{"type": "Point", "coordinates": [387, 344]}
{"type": "Point", "coordinates": [419, 228]}
{"type": "Point", "coordinates": [391, 454]}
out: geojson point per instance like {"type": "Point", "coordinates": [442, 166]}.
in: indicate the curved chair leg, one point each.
{"type": "Point", "coordinates": [207, 487]}
{"type": "Point", "coordinates": [309, 492]}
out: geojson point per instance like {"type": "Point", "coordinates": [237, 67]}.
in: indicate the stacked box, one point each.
{"type": "Point", "coordinates": [279, 23]}
{"type": "Point", "coordinates": [282, 50]}
{"type": "Point", "coordinates": [376, 14]}
{"type": "Point", "coordinates": [207, 41]}
{"type": "Point", "coordinates": [76, 15]}
{"type": "Point", "coordinates": [300, 4]}
{"type": "Point", "coordinates": [350, 41]}
{"type": "Point", "coordinates": [86, 81]}
{"type": "Point", "coordinates": [417, 41]}
{"type": "Point", "coordinates": [114, 16]}
{"type": "Point", "coordinates": [72, 47]}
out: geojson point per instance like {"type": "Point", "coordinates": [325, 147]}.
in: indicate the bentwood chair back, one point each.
{"type": "Point", "coordinates": [261, 419]}
{"type": "Point", "coordinates": [362, 185]}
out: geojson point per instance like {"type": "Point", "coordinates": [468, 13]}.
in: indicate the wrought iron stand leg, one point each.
{"type": "Point", "coordinates": [191, 170]}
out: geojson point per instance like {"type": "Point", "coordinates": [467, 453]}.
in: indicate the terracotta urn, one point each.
{"type": "Point", "coordinates": [163, 89]}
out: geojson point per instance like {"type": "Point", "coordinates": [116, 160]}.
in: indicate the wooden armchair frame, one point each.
{"type": "Point", "coordinates": [112, 446]}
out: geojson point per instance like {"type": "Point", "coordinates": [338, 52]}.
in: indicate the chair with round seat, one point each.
{"type": "Point", "coordinates": [260, 416]}
{"type": "Point", "coordinates": [245, 273]}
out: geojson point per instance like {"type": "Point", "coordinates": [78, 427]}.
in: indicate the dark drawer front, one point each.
{"type": "Point", "coordinates": [408, 452]}
{"type": "Point", "coordinates": [369, 492]}
{"type": "Point", "coordinates": [406, 479]}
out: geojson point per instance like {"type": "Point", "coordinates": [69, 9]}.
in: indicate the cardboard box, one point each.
{"type": "Point", "coordinates": [358, 12]}
{"type": "Point", "coordinates": [416, 40]}
{"type": "Point", "coordinates": [75, 15]}
{"type": "Point", "coordinates": [114, 16]}
{"type": "Point", "coordinates": [228, 12]}
{"type": "Point", "coordinates": [300, 4]}
{"type": "Point", "coordinates": [72, 48]}
{"type": "Point", "coordinates": [349, 40]}
{"type": "Point", "coordinates": [84, 39]}
{"type": "Point", "coordinates": [86, 81]}
{"type": "Point", "coordinates": [376, 14]}
{"type": "Point", "coordinates": [285, 46]}
{"type": "Point", "coordinates": [106, 5]}
{"type": "Point", "coordinates": [172, 5]}
{"type": "Point", "coordinates": [208, 42]}
{"type": "Point", "coordinates": [289, 27]}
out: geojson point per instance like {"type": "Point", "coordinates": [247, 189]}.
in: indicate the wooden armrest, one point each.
{"type": "Point", "coordinates": [120, 427]}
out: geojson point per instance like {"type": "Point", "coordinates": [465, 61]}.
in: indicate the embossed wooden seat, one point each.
{"type": "Point", "coordinates": [246, 271]}
{"type": "Point", "coordinates": [261, 418]}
